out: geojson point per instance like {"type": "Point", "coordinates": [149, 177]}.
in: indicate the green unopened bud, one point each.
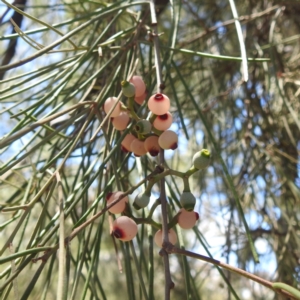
{"type": "Point", "coordinates": [143, 127]}
{"type": "Point", "coordinates": [141, 201]}
{"type": "Point", "coordinates": [201, 159]}
{"type": "Point", "coordinates": [188, 201]}
{"type": "Point", "coordinates": [128, 89]}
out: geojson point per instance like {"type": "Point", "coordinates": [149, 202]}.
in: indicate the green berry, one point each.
{"type": "Point", "coordinates": [128, 89]}
{"type": "Point", "coordinates": [201, 159]}
{"type": "Point", "coordinates": [143, 127]}
{"type": "Point", "coordinates": [141, 201]}
{"type": "Point", "coordinates": [188, 201]}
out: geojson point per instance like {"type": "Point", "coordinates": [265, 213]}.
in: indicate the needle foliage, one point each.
{"type": "Point", "coordinates": [231, 70]}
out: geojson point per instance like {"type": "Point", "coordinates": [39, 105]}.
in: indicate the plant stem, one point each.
{"type": "Point", "coordinates": [62, 254]}
{"type": "Point", "coordinates": [264, 282]}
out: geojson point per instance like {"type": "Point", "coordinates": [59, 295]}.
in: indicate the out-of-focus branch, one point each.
{"type": "Point", "coordinates": [242, 19]}
{"type": "Point", "coordinates": [11, 48]}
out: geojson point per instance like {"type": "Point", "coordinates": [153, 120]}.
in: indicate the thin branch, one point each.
{"type": "Point", "coordinates": [173, 249]}
{"type": "Point", "coordinates": [9, 139]}
{"type": "Point", "coordinates": [244, 19]}
{"type": "Point", "coordinates": [62, 254]}
{"type": "Point", "coordinates": [241, 40]}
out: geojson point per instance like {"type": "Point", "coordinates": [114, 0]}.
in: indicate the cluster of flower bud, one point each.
{"type": "Point", "coordinates": [146, 136]}
{"type": "Point", "coordinates": [125, 228]}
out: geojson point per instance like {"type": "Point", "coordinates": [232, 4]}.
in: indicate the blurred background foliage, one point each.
{"type": "Point", "coordinates": [50, 66]}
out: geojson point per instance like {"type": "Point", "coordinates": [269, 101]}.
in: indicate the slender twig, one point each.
{"type": "Point", "coordinates": [241, 40]}
{"type": "Point", "coordinates": [37, 20]}
{"type": "Point", "coordinates": [150, 264]}
{"type": "Point", "coordinates": [155, 39]}
{"type": "Point", "coordinates": [245, 19]}
{"type": "Point", "coordinates": [214, 56]}
{"type": "Point", "coordinates": [97, 215]}
{"type": "Point", "coordinates": [13, 269]}
{"type": "Point", "coordinates": [138, 270]}
{"type": "Point", "coordinates": [9, 139]}
{"type": "Point", "coordinates": [26, 212]}
{"type": "Point", "coordinates": [173, 249]}
{"type": "Point", "coordinates": [24, 253]}
{"type": "Point", "coordinates": [64, 38]}
{"type": "Point", "coordinates": [75, 232]}
{"type": "Point", "coordinates": [61, 263]}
